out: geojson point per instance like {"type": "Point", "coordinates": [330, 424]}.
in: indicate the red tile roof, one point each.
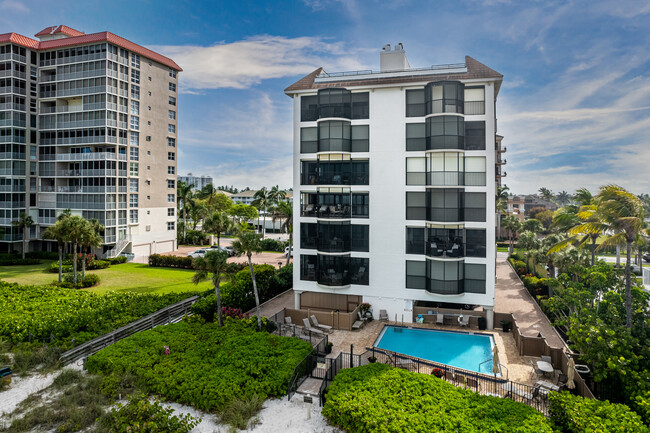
{"type": "Point", "coordinates": [84, 39]}
{"type": "Point", "coordinates": [59, 29]}
{"type": "Point", "coordinates": [475, 69]}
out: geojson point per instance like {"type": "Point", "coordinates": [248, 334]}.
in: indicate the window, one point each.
{"type": "Point", "coordinates": [133, 216]}
{"type": "Point", "coordinates": [416, 171]}
{"type": "Point", "coordinates": [171, 156]}
{"type": "Point", "coordinates": [171, 128]}
{"type": "Point", "coordinates": [172, 100]}
{"type": "Point", "coordinates": [360, 138]}
{"type": "Point", "coordinates": [133, 169]}
{"type": "Point", "coordinates": [133, 185]}
{"type": "Point", "coordinates": [171, 225]}
{"type": "Point", "coordinates": [475, 206]}
{"type": "Point", "coordinates": [415, 103]}
{"type": "Point", "coordinates": [416, 275]}
{"type": "Point", "coordinates": [416, 206]}
{"type": "Point", "coordinates": [134, 138]}
{"type": "Point", "coordinates": [308, 108]}
{"type": "Point", "coordinates": [134, 153]}
{"type": "Point", "coordinates": [334, 102]}
{"type": "Point", "coordinates": [171, 142]}
{"type": "Point", "coordinates": [135, 76]}
{"type": "Point", "coordinates": [475, 135]}
{"type": "Point", "coordinates": [135, 63]}
{"type": "Point", "coordinates": [148, 138]}
{"type": "Point", "coordinates": [171, 198]}
{"type": "Point", "coordinates": [416, 137]}
{"type": "Point", "coordinates": [475, 100]}
{"type": "Point", "coordinates": [171, 114]}
{"type": "Point", "coordinates": [360, 105]}
{"type": "Point", "coordinates": [445, 132]}
{"type": "Point", "coordinates": [415, 240]}
{"type": "Point", "coordinates": [171, 183]}
{"type": "Point", "coordinates": [133, 200]}
{"type": "Point", "coordinates": [135, 107]}
{"type": "Point", "coordinates": [474, 278]}
{"type": "Point", "coordinates": [172, 87]}
{"type": "Point", "coordinates": [171, 211]}
{"type": "Point", "coordinates": [475, 170]}
{"type": "Point", "coordinates": [135, 92]}
{"type": "Point", "coordinates": [171, 169]}
{"type": "Point", "coordinates": [135, 122]}
{"type": "Point", "coordinates": [308, 139]}
{"type": "Point", "coordinates": [444, 97]}
{"type": "Point", "coordinates": [172, 73]}
{"type": "Point", "coordinates": [475, 241]}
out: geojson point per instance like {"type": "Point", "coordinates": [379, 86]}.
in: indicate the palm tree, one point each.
{"type": "Point", "coordinates": [197, 211]}
{"type": "Point", "coordinates": [513, 225]}
{"type": "Point", "coordinates": [75, 227]}
{"type": "Point", "coordinates": [184, 197]}
{"type": "Point", "coordinates": [583, 197]}
{"type": "Point", "coordinates": [217, 223]}
{"type": "Point", "coordinates": [215, 263]}
{"type": "Point", "coordinates": [284, 211]}
{"type": "Point", "coordinates": [529, 242]}
{"type": "Point", "coordinates": [501, 205]}
{"type": "Point", "coordinates": [621, 213]}
{"type": "Point", "coordinates": [90, 238]}
{"type": "Point", "coordinates": [546, 194]}
{"type": "Point", "coordinates": [248, 242]}
{"type": "Point", "coordinates": [276, 195]}
{"type": "Point", "coordinates": [24, 222]}
{"type": "Point", "coordinates": [533, 225]}
{"type": "Point", "coordinates": [563, 198]}
{"type": "Point", "coordinates": [261, 202]}
{"type": "Point", "coordinates": [56, 232]}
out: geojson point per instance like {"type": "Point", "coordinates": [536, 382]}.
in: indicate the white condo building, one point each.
{"type": "Point", "coordinates": [394, 175]}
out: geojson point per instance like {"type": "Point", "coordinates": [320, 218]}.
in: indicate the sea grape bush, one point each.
{"type": "Point", "coordinates": [208, 366]}
{"type": "Point", "coordinates": [380, 398]}
{"type": "Point", "coordinates": [59, 314]}
{"type": "Point", "coordinates": [570, 413]}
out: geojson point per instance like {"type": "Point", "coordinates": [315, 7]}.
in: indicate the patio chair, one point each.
{"type": "Point", "coordinates": [308, 327]}
{"type": "Point", "coordinates": [288, 321]}
{"type": "Point", "coordinates": [472, 383]}
{"type": "Point", "coordinates": [440, 319]}
{"type": "Point", "coordinates": [449, 376]}
{"type": "Point", "coordinates": [383, 315]}
{"type": "Point", "coordinates": [463, 321]}
{"type": "Point", "coordinates": [536, 371]}
{"type": "Point", "coordinates": [326, 328]}
{"type": "Point", "coordinates": [357, 325]}
{"type": "Point", "coordinates": [362, 318]}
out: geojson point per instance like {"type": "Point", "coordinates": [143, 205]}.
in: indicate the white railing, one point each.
{"type": "Point", "coordinates": [123, 243]}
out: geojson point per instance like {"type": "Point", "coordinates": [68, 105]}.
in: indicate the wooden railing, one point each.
{"type": "Point", "coordinates": [169, 314]}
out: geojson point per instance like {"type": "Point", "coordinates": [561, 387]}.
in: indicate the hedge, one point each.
{"type": "Point", "coordinates": [380, 398]}
{"type": "Point", "coordinates": [574, 414]}
{"type": "Point", "coordinates": [159, 261]}
{"type": "Point", "coordinates": [68, 267]}
{"type": "Point", "coordinates": [117, 260]}
{"type": "Point", "coordinates": [12, 260]}
{"type": "Point", "coordinates": [207, 366]}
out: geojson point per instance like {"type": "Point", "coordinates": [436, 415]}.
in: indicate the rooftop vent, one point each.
{"type": "Point", "coordinates": [393, 60]}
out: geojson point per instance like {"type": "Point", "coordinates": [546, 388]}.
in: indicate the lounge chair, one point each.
{"type": "Point", "coordinates": [288, 321]}
{"type": "Point", "coordinates": [463, 321]}
{"type": "Point", "coordinates": [310, 328]}
{"type": "Point", "coordinates": [449, 376]}
{"type": "Point", "coordinates": [362, 318]}
{"type": "Point", "coordinates": [402, 363]}
{"type": "Point", "coordinates": [383, 315]}
{"type": "Point", "coordinates": [440, 319]}
{"type": "Point", "coordinates": [326, 328]}
{"type": "Point", "coordinates": [357, 325]}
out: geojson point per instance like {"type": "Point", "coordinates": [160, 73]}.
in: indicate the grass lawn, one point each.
{"type": "Point", "coordinates": [127, 277]}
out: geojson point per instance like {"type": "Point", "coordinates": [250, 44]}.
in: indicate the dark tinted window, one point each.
{"type": "Point", "coordinates": [360, 235]}
{"type": "Point", "coordinates": [309, 140]}
{"type": "Point", "coordinates": [475, 135]}
{"type": "Point", "coordinates": [308, 267]}
{"type": "Point", "coordinates": [308, 108]}
{"type": "Point", "coordinates": [360, 205]}
{"type": "Point", "coordinates": [360, 106]}
{"type": "Point", "coordinates": [416, 206]}
{"type": "Point", "coordinates": [414, 240]}
{"type": "Point", "coordinates": [360, 138]}
{"type": "Point", "coordinates": [415, 103]}
{"type": "Point", "coordinates": [334, 103]}
{"type": "Point", "coordinates": [475, 242]}
{"type": "Point", "coordinates": [475, 206]}
{"type": "Point", "coordinates": [308, 236]}
{"type": "Point", "coordinates": [416, 136]}
{"type": "Point", "coordinates": [416, 275]}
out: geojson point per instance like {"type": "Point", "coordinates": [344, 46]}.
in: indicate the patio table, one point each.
{"type": "Point", "coordinates": [546, 367]}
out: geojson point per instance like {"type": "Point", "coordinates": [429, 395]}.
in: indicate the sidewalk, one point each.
{"type": "Point", "coordinates": [512, 297]}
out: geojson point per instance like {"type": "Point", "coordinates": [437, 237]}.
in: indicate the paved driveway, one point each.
{"type": "Point", "coordinates": [262, 258]}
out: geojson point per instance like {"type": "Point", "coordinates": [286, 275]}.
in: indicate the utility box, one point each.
{"type": "Point", "coordinates": [482, 323]}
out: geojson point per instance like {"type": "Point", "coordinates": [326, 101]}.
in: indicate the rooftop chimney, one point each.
{"type": "Point", "coordinates": [393, 60]}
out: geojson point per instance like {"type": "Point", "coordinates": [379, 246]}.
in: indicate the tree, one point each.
{"type": "Point", "coordinates": [57, 233]}
{"type": "Point", "coordinates": [261, 202]}
{"type": "Point", "coordinates": [563, 198]}
{"type": "Point", "coordinates": [533, 225]}
{"type": "Point", "coordinates": [184, 196]}
{"type": "Point", "coordinates": [24, 222]}
{"type": "Point", "coordinates": [583, 197]}
{"type": "Point", "coordinates": [91, 237]}
{"type": "Point", "coordinates": [284, 211]}
{"type": "Point", "coordinates": [621, 213]}
{"type": "Point", "coordinates": [197, 210]}
{"type": "Point", "coordinates": [501, 205]}
{"type": "Point", "coordinates": [529, 242]}
{"type": "Point", "coordinates": [75, 227]}
{"type": "Point", "coordinates": [247, 243]}
{"type": "Point", "coordinates": [215, 263]}
{"type": "Point", "coordinates": [276, 195]}
{"type": "Point", "coordinates": [221, 202]}
{"type": "Point", "coordinates": [546, 194]}
{"type": "Point", "coordinates": [217, 223]}
{"type": "Point", "coordinates": [243, 212]}
{"type": "Point", "coordinates": [513, 225]}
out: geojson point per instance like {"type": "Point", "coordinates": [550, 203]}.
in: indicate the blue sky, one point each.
{"type": "Point", "coordinates": [574, 107]}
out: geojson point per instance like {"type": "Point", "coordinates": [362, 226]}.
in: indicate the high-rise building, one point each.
{"type": "Point", "coordinates": [198, 181]}
{"type": "Point", "coordinates": [396, 175]}
{"type": "Point", "coordinates": [88, 122]}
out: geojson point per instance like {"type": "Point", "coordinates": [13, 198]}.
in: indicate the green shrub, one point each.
{"type": "Point", "coordinates": [117, 260]}
{"type": "Point", "coordinates": [43, 255]}
{"type": "Point", "coordinates": [157, 260]}
{"type": "Point", "coordinates": [208, 366]}
{"type": "Point", "coordinates": [377, 397]}
{"type": "Point", "coordinates": [193, 237]}
{"type": "Point", "coordinates": [269, 244]}
{"type": "Point", "coordinates": [574, 414]}
{"type": "Point", "coordinates": [47, 312]}
{"type": "Point", "coordinates": [89, 280]}
{"type": "Point", "coordinates": [54, 268]}
{"type": "Point", "coordinates": [15, 260]}
{"type": "Point", "coordinates": [148, 416]}
{"type": "Point", "coordinates": [519, 266]}
{"type": "Point", "coordinates": [517, 256]}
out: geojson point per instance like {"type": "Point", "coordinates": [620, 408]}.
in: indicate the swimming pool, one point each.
{"type": "Point", "coordinates": [458, 349]}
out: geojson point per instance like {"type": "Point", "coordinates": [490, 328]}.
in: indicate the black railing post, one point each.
{"type": "Point", "coordinates": [351, 355]}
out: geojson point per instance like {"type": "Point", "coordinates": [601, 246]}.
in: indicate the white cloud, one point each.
{"type": "Point", "coordinates": [245, 63]}
{"type": "Point", "coordinates": [13, 6]}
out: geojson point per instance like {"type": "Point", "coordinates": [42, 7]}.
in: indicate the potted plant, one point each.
{"type": "Point", "coordinates": [437, 373]}
{"type": "Point", "coordinates": [328, 348]}
{"type": "Point", "coordinates": [506, 325]}
{"type": "Point", "coordinates": [372, 359]}
{"type": "Point", "coordinates": [365, 310]}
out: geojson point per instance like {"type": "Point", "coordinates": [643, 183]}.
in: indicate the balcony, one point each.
{"type": "Point", "coordinates": [93, 156]}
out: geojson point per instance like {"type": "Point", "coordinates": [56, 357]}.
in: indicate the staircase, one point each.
{"type": "Point", "coordinates": [119, 247]}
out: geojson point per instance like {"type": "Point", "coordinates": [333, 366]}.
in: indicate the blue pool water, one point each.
{"type": "Point", "coordinates": [458, 349]}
